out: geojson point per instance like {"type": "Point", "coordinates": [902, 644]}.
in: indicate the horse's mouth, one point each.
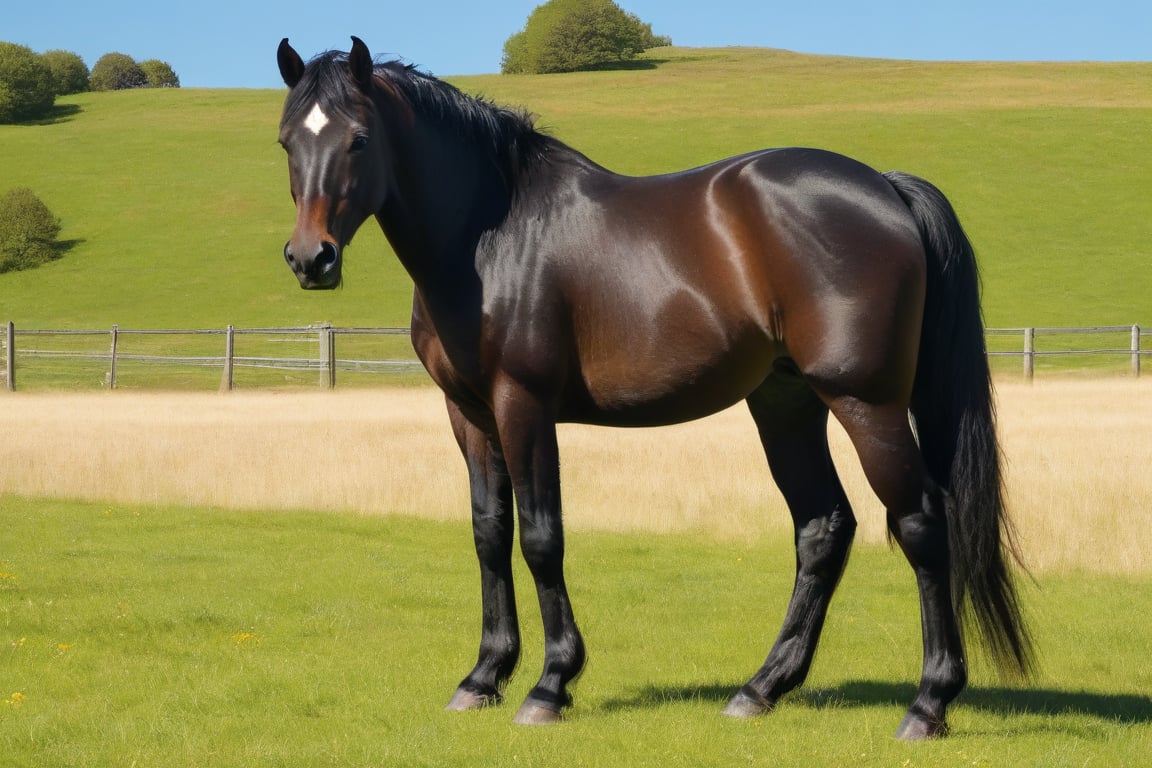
{"type": "Point", "coordinates": [325, 282]}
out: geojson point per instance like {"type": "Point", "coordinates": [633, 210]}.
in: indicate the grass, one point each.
{"type": "Point", "coordinates": [1077, 453]}
{"type": "Point", "coordinates": [176, 205]}
{"type": "Point", "coordinates": [182, 636]}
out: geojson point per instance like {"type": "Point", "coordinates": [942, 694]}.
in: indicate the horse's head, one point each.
{"type": "Point", "coordinates": [330, 130]}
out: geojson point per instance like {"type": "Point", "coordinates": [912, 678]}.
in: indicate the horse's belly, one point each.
{"type": "Point", "coordinates": [667, 386]}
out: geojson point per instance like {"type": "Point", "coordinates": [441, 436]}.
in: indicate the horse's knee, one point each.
{"type": "Point", "coordinates": [493, 537]}
{"type": "Point", "coordinates": [542, 545]}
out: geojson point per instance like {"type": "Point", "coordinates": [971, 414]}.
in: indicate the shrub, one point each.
{"type": "Point", "coordinates": [572, 35]}
{"type": "Point", "coordinates": [25, 84]}
{"type": "Point", "coordinates": [159, 74]}
{"type": "Point", "coordinates": [117, 72]}
{"type": "Point", "coordinates": [28, 231]}
{"type": "Point", "coordinates": [69, 72]}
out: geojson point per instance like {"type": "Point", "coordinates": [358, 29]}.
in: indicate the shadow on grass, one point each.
{"type": "Point", "coordinates": [54, 252]}
{"type": "Point", "coordinates": [630, 65]}
{"type": "Point", "coordinates": [59, 113]}
{"type": "Point", "coordinates": [1119, 707]}
{"type": "Point", "coordinates": [61, 247]}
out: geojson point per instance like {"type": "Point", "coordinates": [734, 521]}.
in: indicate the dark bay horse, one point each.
{"type": "Point", "coordinates": [548, 289]}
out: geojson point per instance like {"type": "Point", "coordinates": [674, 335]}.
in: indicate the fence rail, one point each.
{"type": "Point", "coordinates": [1104, 341]}
{"type": "Point", "coordinates": [300, 352]}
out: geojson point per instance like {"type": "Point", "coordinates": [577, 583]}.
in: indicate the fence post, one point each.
{"type": "Point", "coordinates": [10, 356]}
{"type": "Point", "coordinates": [327, 356]}
{"type": "Point", "coordinates": [112, 367]}
{"type": "Point", "coordinates": [1136, 351]}
{"type": "Point", "coordinates": [226, 382]}
{"type": "Point", "coordinates": [1029, 352]}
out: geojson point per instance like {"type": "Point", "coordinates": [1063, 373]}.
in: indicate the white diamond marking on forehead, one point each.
{"type": "Point", "coordinates": [316, 120]}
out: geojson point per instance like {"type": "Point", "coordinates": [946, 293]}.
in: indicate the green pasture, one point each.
{"type": "Point", "coordinates": [175, 203]}
{"type": "Point", "coordinates": [168, 636]}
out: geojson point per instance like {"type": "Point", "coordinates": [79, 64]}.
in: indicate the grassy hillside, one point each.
{"type": "Point", "coordinates": [176, 203]}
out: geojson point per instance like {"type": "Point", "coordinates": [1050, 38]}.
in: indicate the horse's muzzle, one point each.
{"type": "Point", "coordinates": [321, 270]}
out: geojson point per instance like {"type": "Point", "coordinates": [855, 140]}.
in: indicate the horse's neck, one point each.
{"type": "Point", "coordinates": [433, 205]}
{"type": "Point", "coordinates": [444, 202]}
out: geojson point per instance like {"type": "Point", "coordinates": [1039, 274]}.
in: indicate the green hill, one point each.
{"type": "Point", "coordinates": [176, 205]}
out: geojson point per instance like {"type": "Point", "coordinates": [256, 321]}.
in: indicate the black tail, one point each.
{"type": "Point", "coordinates": [955, 423]}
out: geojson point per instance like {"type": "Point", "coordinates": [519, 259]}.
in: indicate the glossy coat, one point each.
{"type": "Point", "coordinates": [549, 289]}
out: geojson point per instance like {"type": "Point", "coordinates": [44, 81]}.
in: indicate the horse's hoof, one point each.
{"type": "Point", "coordinates": [465, 700]}
{"type": "Point", "coordinates": [537, 713]}
{"type": "Point", "coordinates": [919, 728]}
{"type": "Point", "coordinates": [747, 703]}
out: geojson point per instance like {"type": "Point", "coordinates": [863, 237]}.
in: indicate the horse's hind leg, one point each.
{"type": "Point", "coordinates": [917, 519]}
{"type": "Point", "coordinates": [792, 422]}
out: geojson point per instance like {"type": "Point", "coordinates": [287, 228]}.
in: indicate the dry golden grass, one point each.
{"type": "Point", "coordinates": [1078, 454]}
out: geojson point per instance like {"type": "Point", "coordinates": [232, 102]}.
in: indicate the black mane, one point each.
{"type": "Point", "coordinates": [436, 99]}
{"type": "Point", "coordinates": [511, 135]}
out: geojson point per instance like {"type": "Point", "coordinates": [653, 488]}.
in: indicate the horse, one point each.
{"type": "Point", "coordinates": [549, 289]}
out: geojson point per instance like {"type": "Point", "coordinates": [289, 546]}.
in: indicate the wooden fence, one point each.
{"type": "Point", "coordinates": [1091, 348]}
{"type": "Point", "coordinates": [312, 351]}
{"type": "Point", "coordinates": [305, 351]}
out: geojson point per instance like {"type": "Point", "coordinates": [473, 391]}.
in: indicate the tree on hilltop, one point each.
{"type": "Point", "coordinates": [26, 91]}
{"type": "Point", "coordinates": [573, 35]}
{"type": "Point", "coordinates": [117, 72]}
{"type": "Point", "coordinates": [159, 74]}
{"type": "Point", "coordinates": [69, 72]}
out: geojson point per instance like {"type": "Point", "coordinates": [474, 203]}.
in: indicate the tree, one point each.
{"type": "Point", "coordinates": [595, 34]}
{"type": "Point", "coordinates": [69, 72]}
{"type": "Point", "coordinates": [28, 231]}
{"type": "Point", "coordinates": [572, 35]}
{"type": "Point", "coordinates": [25, 84]}
{"type": "Point", "coordinates": [159, 74]}
{"type": "Point", "coordinates": [117, 72]}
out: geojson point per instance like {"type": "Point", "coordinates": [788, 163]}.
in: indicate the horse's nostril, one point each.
{"type": "Point", "coordinates": [327, 258]}
{"type": "Point", "coordinates": [288, 255]}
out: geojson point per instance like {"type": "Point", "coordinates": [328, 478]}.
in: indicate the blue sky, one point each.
{"type": "Point", "coordinates": [212, 43]}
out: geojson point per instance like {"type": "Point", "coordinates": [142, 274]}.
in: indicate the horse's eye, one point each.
{"type": "Point", "coordinates": [358, 143]}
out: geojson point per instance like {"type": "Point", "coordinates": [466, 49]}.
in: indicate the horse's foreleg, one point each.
{"type": "Point", "coordinates": [918, 521]}
{"type": "Point", "coordinates": [793, 429]}
{"type": "Point", "coordinates": [528, 435]}
{"type": "Point", "coordinates": [493, 529]}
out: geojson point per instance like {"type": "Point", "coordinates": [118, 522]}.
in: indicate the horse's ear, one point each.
{"type": "Point", "coordinates": [360, 64]}
{"type": "Point", "coordinates": [291, 65]}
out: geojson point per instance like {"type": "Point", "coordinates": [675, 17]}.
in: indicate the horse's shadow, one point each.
{"type": "Point", "coordinates": [1118, 707]}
